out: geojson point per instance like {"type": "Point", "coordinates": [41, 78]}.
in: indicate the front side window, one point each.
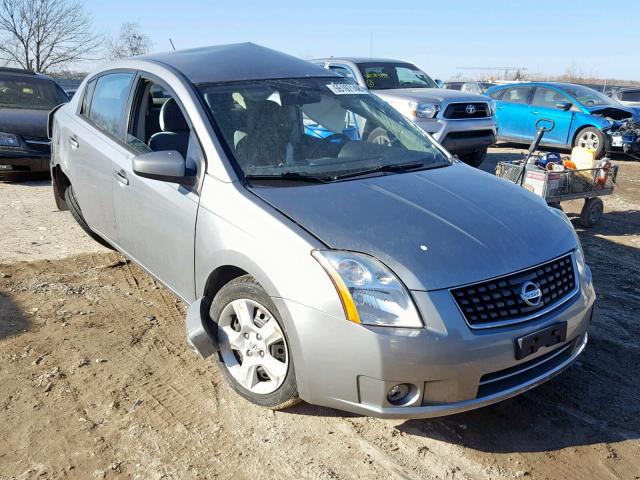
{"type": "Point", "coordinates": [344, 71]}
{"type": "Point", "coordinates": [390, 75]}
{"type": "Point", "coordinates": [545, 97]}
{"type": "Point", "coordinates": [17, 91]}
{"type": "Point", "coordinates": [314, 127]}
{"type": "Point", "coordinates": [588, 96]}
{"type": "Point", "coordinates": [108, 103]}
{"type": "Point", "coordinates": [630, 96]}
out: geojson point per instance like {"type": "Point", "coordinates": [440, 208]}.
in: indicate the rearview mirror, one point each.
{"type": "Point", "coordinates": [564, 106]}
{"type": "Point", "coordinates": [165, 165]}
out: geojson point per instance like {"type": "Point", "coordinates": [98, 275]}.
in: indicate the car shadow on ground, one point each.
{"type": "Point", "coordinates": [12, 320]}
{"type": "Point", "coordinates": [593, 401]}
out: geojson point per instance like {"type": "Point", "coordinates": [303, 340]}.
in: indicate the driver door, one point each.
{"type": "Point", "coordinates": [156, 219]}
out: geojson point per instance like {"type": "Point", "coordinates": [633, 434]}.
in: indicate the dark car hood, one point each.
{"type": "Point", "coordinates": [30, 123]}
{"type": "Point", "coordinates": [474, 225]}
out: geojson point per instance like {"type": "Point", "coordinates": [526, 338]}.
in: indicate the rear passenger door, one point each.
{"type": "Point", "coordinates": [544, 107]}
{"type": "Point", "coordinates": [156, 219]}
{"type": "Point", "coordinates": [512, 113]}
{"type": "Point", "coordinates": [96, 140]}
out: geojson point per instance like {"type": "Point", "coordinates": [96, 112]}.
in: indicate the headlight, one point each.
{"type": "Point", "coordinates": [9, 140]}
{"type": "Point", "coordinates": [424, 110]}
{"type": "Point", "coordinates": [371, 294]}
{"type": "Point", "coordinates": [579, 253]}
{"type": "Point", "coordinates": [492, 106]}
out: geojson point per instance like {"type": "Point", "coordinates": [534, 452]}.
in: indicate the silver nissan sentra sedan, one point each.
{"type": "Point", "coordinates": [387, 280]}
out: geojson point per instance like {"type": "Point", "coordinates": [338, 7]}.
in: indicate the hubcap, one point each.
{"type": "Point", "coordinates": [589, 140]}
{"type": "Point", "coordinates": [252, 346]}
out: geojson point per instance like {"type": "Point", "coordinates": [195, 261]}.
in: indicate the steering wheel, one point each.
{"type": "Point", "coordinates": [330, 139]}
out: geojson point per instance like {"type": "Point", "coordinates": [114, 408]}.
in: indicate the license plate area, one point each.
{"type": "Point", "coordinates": [616, 141]}
{"type": "Point", "coordinates": [547, 337]}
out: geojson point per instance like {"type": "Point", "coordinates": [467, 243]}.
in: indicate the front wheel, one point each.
{"type": "Point", "coordinates": [254, 353]}
{"type": "Point", "coordinates": [591, 138]}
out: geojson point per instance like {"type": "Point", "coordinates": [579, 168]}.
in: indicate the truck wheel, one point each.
{"type": "Point", "coordinates": [254, 354]}
{"type": "Point", "coordinates": [591, 212]}
{"type": "Point", "coordinates": [592, 138]}
{"type": "Point", "coordinates": [379, 136]}
{"type": "Point", "coordinates": [74, 208]}
{"type": "Point", "coordinates": [474, 158]}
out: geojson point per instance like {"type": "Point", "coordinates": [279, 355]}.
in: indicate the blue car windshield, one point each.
{"type": "Point", "coordinates": [324, 128]}
{"type": "Point", "coordinates": [588, 96]}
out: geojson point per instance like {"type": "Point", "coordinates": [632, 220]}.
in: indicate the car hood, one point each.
{"type": "Point", "coordinates": [24, 122]}
{"type": "Point", "coordinates": [433, 95]}
{"type": "Point", "coordinates": [435, 229]}
{"type": "Point", "coordinates": [615, 112]}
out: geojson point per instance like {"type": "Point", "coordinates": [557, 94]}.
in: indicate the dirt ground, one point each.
{"type": "Point", "coordinates": [97, 381]}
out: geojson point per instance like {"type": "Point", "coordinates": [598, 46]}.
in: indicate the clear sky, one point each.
{"type": "Point", "coordinates": [593, 36]}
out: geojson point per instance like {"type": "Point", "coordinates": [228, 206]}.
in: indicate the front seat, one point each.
{"type": "Point", "coordinates": [175, 130]}
{"type": "Point", "coordinates": [270, 131]}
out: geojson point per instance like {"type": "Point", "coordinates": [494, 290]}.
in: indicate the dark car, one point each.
{"type": "Point", "coordinates": [25, 101]}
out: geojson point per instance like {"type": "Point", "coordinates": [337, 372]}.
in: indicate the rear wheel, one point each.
{"type": "Point", "coordinates": [592, 138]}
{"type": "Point", "coordinates": [74, 208]}
{"type": "Point", "coordinates": [474, 158]}
{"type": "Point", "coordinates": [254, 353]}
{"type": "Point", "coordinates": [591, 212]}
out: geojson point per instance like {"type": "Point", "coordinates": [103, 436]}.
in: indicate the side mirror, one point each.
{"type": "Point", "coordinates": [439, 82]}
{"type": "Point", "coordinates": [564, 106]}
{"type": "Point", "coordinates": [164, 165]}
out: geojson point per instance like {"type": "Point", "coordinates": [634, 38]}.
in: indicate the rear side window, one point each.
{"type": "Point", "coordinates": [109, 101]}
{"type": "Point", "coordinates": [517, 95]}
{"type": "Point", "coordinates": [86, 98]}
{"type": "Point", "coordinates": [630, 96]}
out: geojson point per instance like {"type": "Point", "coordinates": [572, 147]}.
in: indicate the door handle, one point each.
{"type": "Point", "coordinates": [121, 176]}
{"type": "Point", "coordinates": [536, 113]}
{"type": "Point", "coordinates": [74, 142]}
{"type": "Point", "coordinates": [499, 108]}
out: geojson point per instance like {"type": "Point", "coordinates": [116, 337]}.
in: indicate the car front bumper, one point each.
{"type": "Point", "coordinates": [461, 135]}
{"type": "Point", "coordinates": [20, 161]}
{"type": "Point", "coordinates": [452, 367]}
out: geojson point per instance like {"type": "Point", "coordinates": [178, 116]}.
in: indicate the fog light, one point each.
{"type": "Point", "coordinates": [397, 395]}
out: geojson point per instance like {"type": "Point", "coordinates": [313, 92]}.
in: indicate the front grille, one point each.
{"type": "Point", "coordinates": [511, 377]}
{"type": "Point", "coordinates": [498, 301]}
{"type": "Point", "coordinates": [39, 144]}
{"type": "Point", "coordinates": [468, 134]}
{"type": "Point", "coordinates": [456, 111]}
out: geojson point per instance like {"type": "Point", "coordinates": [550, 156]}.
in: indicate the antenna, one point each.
{"type": "Point", "coordinates": [371, 44]}
{"type": "Point", "coordinates": [172, 45]}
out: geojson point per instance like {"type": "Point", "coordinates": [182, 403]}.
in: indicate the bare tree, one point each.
{"type": "Point", "coordinates": [130, 41]}
{"type": "Point", "coordinates": [46, 35]}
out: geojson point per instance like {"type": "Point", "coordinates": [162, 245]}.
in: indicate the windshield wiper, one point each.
{"type": "Point", "coordinates": [391, 168]}
{"type": "Point", "coordinates": [290, 176]}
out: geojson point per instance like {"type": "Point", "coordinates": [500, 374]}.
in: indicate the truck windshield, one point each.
{"type": "Point", "coordinates": [315, 128]}
{"type": "Point", "coordinates": [30, 93]}
{"type": "Point", "coordinates": [389, 75]}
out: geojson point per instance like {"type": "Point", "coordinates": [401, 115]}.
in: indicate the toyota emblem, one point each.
{"type": "Point", "coordinates": [531, 294]}
{"type": "Point", "coordinates": [471, 109]}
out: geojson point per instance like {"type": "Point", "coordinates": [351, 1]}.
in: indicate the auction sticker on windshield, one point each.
{"type": "Point", "coordinates": [346, 89]}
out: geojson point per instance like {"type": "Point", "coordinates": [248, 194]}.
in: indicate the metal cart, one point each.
{"type": "Point", "coordinates": [559, 186]}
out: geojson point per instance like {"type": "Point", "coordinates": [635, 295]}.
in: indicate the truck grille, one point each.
{"type": "Point", "coordinates": [498, 302]}
{"type": "Point", "coordinates": [457, 111]}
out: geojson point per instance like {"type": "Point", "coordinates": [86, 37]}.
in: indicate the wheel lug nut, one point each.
{"type": "Point", "coordinates": [261, 353]}
{"type": "Point", "coordinates": [246, 335]}
{"type": "Point", "coordinates": [249, 353]}
{"type": "Point", "coordinates": [258, 337]}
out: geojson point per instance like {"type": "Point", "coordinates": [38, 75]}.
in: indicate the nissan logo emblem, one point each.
{"type": "Point", "coordinates": [531, 294]}
{"type": "Point", "coordinates": [471, 109]}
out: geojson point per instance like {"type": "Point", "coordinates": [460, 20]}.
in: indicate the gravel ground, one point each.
{"type": "Point", "coordinates": [96, 380]}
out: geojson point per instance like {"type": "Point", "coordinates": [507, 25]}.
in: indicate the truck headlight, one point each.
{"type": "Point", "coordinates": [492, 106]}
{"type": "Point", "coordinates": [424, 110]}
{"type": "Point", "coordinates": [9, 140]}
{"type": "Point", "coordinates": [370, 293]}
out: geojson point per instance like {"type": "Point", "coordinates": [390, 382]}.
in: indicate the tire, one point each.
{"type": "Point", "coordinates": [271, 372]}
{"type": "Point", "coordinates": [474, 158]}
{"type": "Point", "coordinates": [587, 137]}
{"type": "Point", "coordinates": [74, 208]}
{"type": "Point", "coordinates": [380, 136]}
{"type": "Point", "coordinates": [591, 212]}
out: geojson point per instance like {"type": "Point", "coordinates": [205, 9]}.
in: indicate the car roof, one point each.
{"type": "Point", "coordinates": [235, 62]}
{"type": "Point", "coordinates": [538, 84]}
{"type": "Point", "coordinates": [19, 72]}
{"type": "Point", "coordinates": [361, 60]}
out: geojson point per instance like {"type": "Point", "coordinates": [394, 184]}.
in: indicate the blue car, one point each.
{"type": "Point", "coordinates": [578, 112]}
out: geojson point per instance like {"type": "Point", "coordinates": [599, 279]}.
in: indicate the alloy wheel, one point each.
{"type": "Point", "coordinates": [253, 346]}
{"type": "Point", "coordinates": [589, 140]}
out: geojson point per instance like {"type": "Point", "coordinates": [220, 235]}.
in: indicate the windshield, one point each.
{"type": "Point", "coordinates": [32, 93]}
{"type": "Point", "coordinates": [389, 75]}
{"type": "Point", "coordinates": [588, 96]}
{"type": "Point", "coordinates": [322, 128]}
